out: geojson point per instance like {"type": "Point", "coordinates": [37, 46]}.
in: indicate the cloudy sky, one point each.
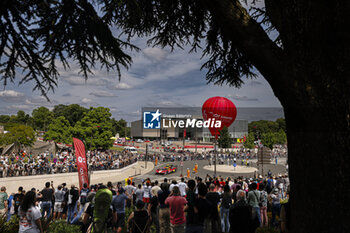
{"type": "Point", "coordinates": [157, 77]}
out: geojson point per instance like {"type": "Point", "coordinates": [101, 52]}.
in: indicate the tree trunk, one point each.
{"type": "Point", "coordinates": [319, 162]}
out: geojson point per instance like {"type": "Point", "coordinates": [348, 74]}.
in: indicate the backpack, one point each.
{"type": "Point", "coordinates": [83, 195]}
{"type": "Point", "coordinates": [103, 200]}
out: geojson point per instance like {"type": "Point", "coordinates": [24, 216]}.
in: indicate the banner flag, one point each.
{"type": "Point", "coordinates": [81, 162]}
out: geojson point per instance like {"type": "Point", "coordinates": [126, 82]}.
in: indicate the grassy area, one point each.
{"type": "Point", "coordinates": [116, 148]}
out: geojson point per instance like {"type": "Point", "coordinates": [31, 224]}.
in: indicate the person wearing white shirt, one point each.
{"type": "Point", "coordinates": [172, 185]}
{"type": "Point", "coordinates": [182, 186]}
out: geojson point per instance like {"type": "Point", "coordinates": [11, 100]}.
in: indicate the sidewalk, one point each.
{"type": "Point", "coordinates": [38, 181]}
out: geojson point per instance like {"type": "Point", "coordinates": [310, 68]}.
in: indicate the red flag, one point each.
{"type": "Point", "coordinates": [184, 133]}
{"type": "Point", "coordinates": [81, 162]}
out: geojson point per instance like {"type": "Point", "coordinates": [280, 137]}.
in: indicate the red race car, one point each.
{"type": "Point", "coordinates": [166, 170]}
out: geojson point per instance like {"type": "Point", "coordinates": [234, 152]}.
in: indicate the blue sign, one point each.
{"type": "Point", "coordinates": [234, 164]}
{"type": "Point", "coordinates": [151, 120]}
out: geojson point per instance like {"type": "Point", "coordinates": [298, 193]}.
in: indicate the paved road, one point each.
{"type": "Point", "coordinates": [275, 169]}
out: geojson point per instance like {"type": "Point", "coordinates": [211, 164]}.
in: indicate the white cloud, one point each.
{"type": "Point", "coordinates": [102, 94]}
{"type": "Point", "coordinates": [87, 101]}
{"type": "Point", "coordinates": [40, 100]}
{"type": "Point", "coordinates": [120, 86]}
{"type": "Point", "coordinates": [241, 98]}
{"type": "Point", "coordinates": [156, 54]}
{"type": "Point", "coordinates": [10, 93]}
{"type": "Point", "coordinates": [11, 96]}
{"type": "Point", "coordinates": [79, 81]}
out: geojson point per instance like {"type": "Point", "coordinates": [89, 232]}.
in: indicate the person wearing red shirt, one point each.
{"type": "Point", "coordinates": [177, 214]}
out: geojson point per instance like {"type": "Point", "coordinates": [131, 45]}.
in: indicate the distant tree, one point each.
{"type": "Point", "coordinates": [224, 140]}
{"type": "Point", "coordinates": [42, 118]}
{"type": "Point", "coordinates": [272, 138]}
{"type": "Point", "coordinates": [281, 137]}
{"type": "Point", "coordinates": [122, 129]}
{"type": "Point", "coordinates": [73, 112]}
{"type": "Point", "coordinates": [249, 142]}
{"type": "Point", "coordinates": [282, 124]}
{"type": "Point", "coordinates": [95, 128]}
{"type": "Point", "coordinates": [268, 139]}
{"type": "Point", "coordinates": [59, 131]}
{"type": "Point", "coordinates": [59, 110]}
{"type": "Point", "coordinates": [22, 117]}
{"type": "Point", "coordinates": [4, 118]}
{"type": "Point", "coordinates": [19, 134]}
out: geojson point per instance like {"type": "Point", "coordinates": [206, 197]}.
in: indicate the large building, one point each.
{"type": "Point", "coordinates": [167, 130]}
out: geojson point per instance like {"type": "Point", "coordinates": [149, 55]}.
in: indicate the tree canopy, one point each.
{"type": "Point", "coordinates": [306, 62]}
{"type": "Point", "coordinates": [225, 139]}
{"type": "Point", "coordinates": [42, 117]}
{"type": "Point", "coordinates": [73, 112]}
{"type": "Point", "coordinates": [95, 129]}
{"type": "Point", "coordinates": [59, 131]}
{"type": "Point", "coordinates": [19, 134]}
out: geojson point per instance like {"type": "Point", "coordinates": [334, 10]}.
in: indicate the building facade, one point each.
{"type": "Point", "coordinates": [170, 130]}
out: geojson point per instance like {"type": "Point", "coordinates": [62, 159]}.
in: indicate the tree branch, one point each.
{"type": "Point", "coordinates": [250, 37]}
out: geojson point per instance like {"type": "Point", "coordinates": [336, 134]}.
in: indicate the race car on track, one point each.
{"type": "Point", "coordinates": [166, 170]}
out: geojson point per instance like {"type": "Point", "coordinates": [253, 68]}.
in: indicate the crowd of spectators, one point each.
{"type": "Point", "coordinates": [221, 204]}
{"type": "Point", "coordinates": [26, 164]}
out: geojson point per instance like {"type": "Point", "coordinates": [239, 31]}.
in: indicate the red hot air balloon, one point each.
{"type": "Point", "coordinates": [219, 109]}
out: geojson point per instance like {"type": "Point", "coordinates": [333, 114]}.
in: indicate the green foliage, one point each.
{"type": "Point", "coordinates": [19, 134]}
{"type": "Point", "coordinates": [59, 131]}
{"type": "Point", "coordinates": [249, 142]}
{"type": "Point", "coordinates": [225, 140]}
{"type": "Point", "coordinates": [269, 132]}
{"type": "Point", "coordinates": [20, 118]}
{"type": "Point", "coordinates": [282, 124]}
{"type": "Point", "coordinates": [95, 128]}
{"type": "Point", "coordinates": [62, 226]}
{"type": "Point", "coordinates": [268, 139]}
{"type": "Point", "coordinates": [120, 127]}
{"type": "Point", "coordinates": [271, 138]}
{"type": "Point", "coordinates": [281, 137]}
{"type": "Point", "coordinates": [4, 118]}
{"type": "Point", "coordinates": [9, 227]}
{"type": "Point", "coordinates": [42, 117]}
{"type": "Point", "coordinates": [73, 112]}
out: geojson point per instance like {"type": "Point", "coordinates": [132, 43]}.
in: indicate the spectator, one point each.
{"type": "Point", "coordinates": [241, 216]}
{"type": "Point", "coordinates": [153, 209]}
{"type": "Point", "coordinates": [139, 193]}
{"type": "Point", "coordinates": [190, 197]}
{"type": "Point", "coordinates": [46, 196]}
{"type": "Point", "coordinates": [129, 190]}
{"type": "Point", "coordinates": [263, 207]}
{"type": "Point", "coordinates": [59, 199]}
{"type": "Point", "coordinates": [29, 215]}
{"type": "Point", "coordinates": [17, 199]}
{"type": "Point", "coordinates": [225, 209]}
{"type": "Point", "coordinates": [176, 206]}
{"type": "Point", "coordinates": [11, 208]}
{"type": "Point", "coordinates": [213, 221]}
{"type": "Point", "coordinates": [155, 188]}
{"type": "Point", "coordinates": [164, 212]}
{"type": "Point", "coordinates": [138, 221]}
{"type": "Point", "coordinates": [275, 197]}
{"type": "Point", "coordinates": [201, 209]}
{"type": "Point", "coordinates": [147, 193]}
{"type": "Point", "coordinates": [106, 222]}
{"type": "Point", "coordinates": [254, 200]}
{"type": "Point", "coordinates": [71, 197]}
{"type": "Point", "coordinates": [182, 186]}
{"type": "Point", "coordinates": [118, 203]}
{"type": "Point", "coordinates": [172, 185]}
